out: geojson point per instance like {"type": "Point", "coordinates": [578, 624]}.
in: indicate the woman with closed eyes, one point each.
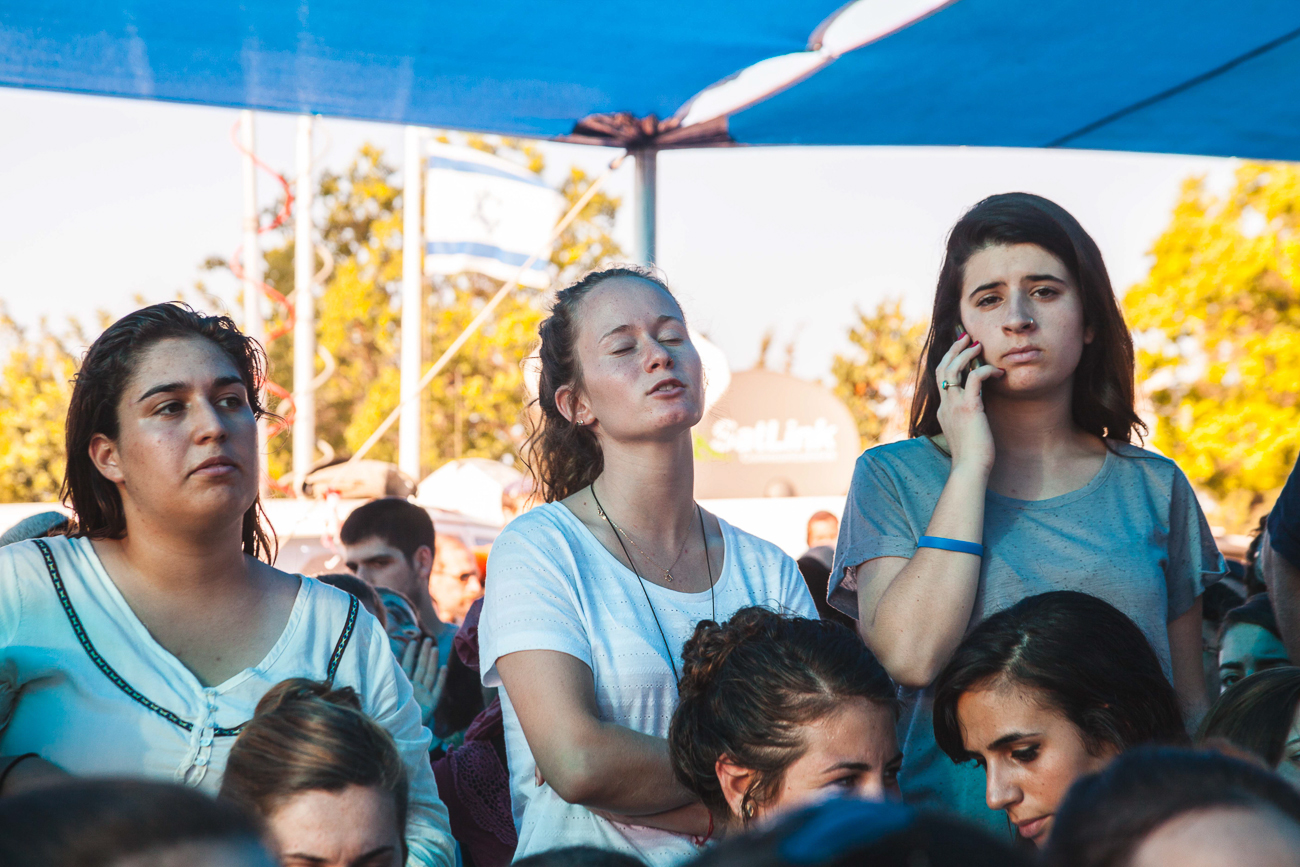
{"type": "Point", "coordinates": [1046, 691]}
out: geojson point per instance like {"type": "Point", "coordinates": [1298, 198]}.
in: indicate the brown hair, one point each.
{"type": "Point", "coordinates": [1256, 713]}
{"type": "Point", "coordinates": [84, 822]}
{"type": "Point", "coordinates": [307, 736]}
{"type": "Point", "coordinates": [1103, 381]}
{"type": "Point", "coordinates": [749, 684]}
{"type": "Point", "coordinates": [563, 456]}
{"type": "Point", "coordinates": [105, 371]}
{"type": "Point", "coordinates": [1086, 659]}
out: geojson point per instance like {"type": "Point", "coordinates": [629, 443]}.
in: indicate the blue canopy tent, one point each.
{"type": "Point", "coordinates": [1213, 77]}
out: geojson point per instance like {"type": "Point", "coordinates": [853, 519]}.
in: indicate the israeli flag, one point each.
{"type": "Point", "coordinates": [486, 214]}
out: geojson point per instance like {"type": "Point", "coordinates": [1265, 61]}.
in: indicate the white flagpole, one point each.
{"type": "Point", "coordinates": [253, 271]}
{"type": "Point", "coordinates": [408, 437]}
{"type": "Point", "coordinates": [304, 308]}
{"type": "Point", "coordinates": [646, 193]}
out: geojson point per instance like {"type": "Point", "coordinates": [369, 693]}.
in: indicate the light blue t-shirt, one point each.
{"type": "Point", "coordinates": [1134, 536]}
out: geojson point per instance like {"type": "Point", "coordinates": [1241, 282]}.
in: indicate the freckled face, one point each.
{"type": "Point", "coordinates": [853, 751]}
{"type": "Point", "coordinates": [1031, 754]}
{"type": "Point", "coordinates": [641, 375]}
{"type": "Point", "coordinates": [186, 449]}
{"type": "Point", "coordinates": [1021, 303]}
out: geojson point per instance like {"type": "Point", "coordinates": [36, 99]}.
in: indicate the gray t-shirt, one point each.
{"type": "Point", "coordinates": [1134, 536]}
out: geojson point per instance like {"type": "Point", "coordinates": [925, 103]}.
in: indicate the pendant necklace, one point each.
{"type": "Point", "coordinates": [619, 534]}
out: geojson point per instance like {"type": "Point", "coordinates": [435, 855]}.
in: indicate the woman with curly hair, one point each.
{"type": "Point", "coordinates": [778, 711]}
{"type": "Point", "coordinates": [591, 595]}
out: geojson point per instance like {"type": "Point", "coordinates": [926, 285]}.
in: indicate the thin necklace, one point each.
{"type": "Point", "coordinates": [668, 573]}
{"type": "Point", "coordinates": [713, 604]}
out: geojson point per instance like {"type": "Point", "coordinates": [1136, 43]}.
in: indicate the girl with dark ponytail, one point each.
{"type": "Point", "coordinates": [591, 595]}
{"type": "Point", "coordinates": [777, 711]}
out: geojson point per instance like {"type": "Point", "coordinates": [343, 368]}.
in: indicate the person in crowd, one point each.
{"type": "Point", "coordinates": [472, 777]}
{"type": "Point", "coordinates": [325, 778]}
{"type": "Point", "coordinates": [1252, 575]}
{"type": "Point", "coordinates": [1249, 641]}
{"type": "Point", "coordinates": [1020, 478]}
{"type": "Point", "coordinates": [516, 498]}
{"type": "Point", "coordinates": [141, 642]}
{"type": "Point", "coordinates": [1261, 714]}
{"type": "Point", "coordinates": [35, 526]}
{"type": "Point", "coordinates": [390, 544]}
{"type": "Point", "coordinates": [591, 595]}
{"type": "Point", "coordinates": [816, 574]}
{"type": "Point", "coordinates": [580, 856]}
{"type": "Point", "coordinates": [120, 822]}
{"type": "Point", "coordinates": [1160, 806]}
{"type": "Point", "coordinates": [1217, 600]}
{"type": "Point", "coordinates": [1279, 562]}
{"type": "Point", "coordinates": [823, 528]}
{"type": "Point", "coordinates": [849, 832]}
{"type": "Point", "coordinates": [454, 582]}
{"type": "Point", "coordinates": [1048, 690]}
{"type": "Point", "coordinates": [777, 711]}
{"type": "Point", "coordinates": [365, 593]}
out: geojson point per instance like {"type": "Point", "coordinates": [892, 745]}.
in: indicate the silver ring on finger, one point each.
{"type": "Point", "coordinates": [944, 385]}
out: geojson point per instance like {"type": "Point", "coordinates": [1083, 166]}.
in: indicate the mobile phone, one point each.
{"type": "Point", "coordinates": [965, 371]}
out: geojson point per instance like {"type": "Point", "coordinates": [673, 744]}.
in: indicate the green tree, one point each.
{"type": "Point", "coordinates": [475, 408]}
{"type": "Point", "coordinates": [876, 379]}
{"type": "Point", "coordinates": [1218, 335]}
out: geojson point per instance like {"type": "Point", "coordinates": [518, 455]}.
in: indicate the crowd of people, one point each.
{"type": "Point", "coordinates": [1018, 644]}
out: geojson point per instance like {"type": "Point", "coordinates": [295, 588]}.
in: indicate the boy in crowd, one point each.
{"type": "Point", "coordinates": [389, 543]}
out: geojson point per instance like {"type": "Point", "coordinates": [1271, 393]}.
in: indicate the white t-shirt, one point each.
{"type": "Point", "coordinates": [84, 684]}
{"type": "Point", "coordinates": [552, 586]}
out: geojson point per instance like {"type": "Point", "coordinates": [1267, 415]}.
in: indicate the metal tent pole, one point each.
{"type": "Point", "coordinates": [253, 271]}
{"type": "Point", "coordinates": [646, 161]}
{"type": "Point", "coordinates": [408, 439]}
{"type": "Point", "coordinates": [304, 310]}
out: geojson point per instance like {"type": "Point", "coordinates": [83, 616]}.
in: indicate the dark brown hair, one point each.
{"type": "Point", "coordinates": [563, 456]}
{"type": "Point", "coordinates": [1256, 713]}
{"type": "Point", "coordinates": [306, 736]}
{"type": "Point", "coordinates": [85, 822]}
{"type": "Point", "coordinates": [395, 521]}
{"type": "Point", "coordinates": [747, 687]}
{"type": "Point", "coordinates": [1103, 381]}
{"type": "Point", "coordinates": [104, 374]}
{"type": "Point", "coordinates": [1106, 816]}
{"type": "Point", "coordinates": [1084, 657]}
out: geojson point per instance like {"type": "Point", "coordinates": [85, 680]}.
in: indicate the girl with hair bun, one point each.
{"type": "Point", "coordinates": [143, 640]}
{"type": "Point", "coordinates": [591, 595]}
{"type": "Point", "coordinates": [778, 711]}
{"type": "Point", "coordinates": [325, 778]}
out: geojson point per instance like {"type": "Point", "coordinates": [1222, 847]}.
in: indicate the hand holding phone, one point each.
{"type": "Point", "coordinates": [974, 362]}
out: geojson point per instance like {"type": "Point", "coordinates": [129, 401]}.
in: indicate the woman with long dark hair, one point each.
{"type": "Point", "coordinates": [591, 595]}
{"type": "Point", "coordinates": [1046, 691]}
{"type": "Point", "coordinates": [1021, 477]}
{"type": "Point", "coordinates": [1261, 714]}
{"type": "Point", "coordinates": [777, 712]}
{"type": "Point", "coordinates": [140, 643]}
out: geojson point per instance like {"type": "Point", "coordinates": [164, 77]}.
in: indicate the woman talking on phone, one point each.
{"type": "Point", "coordinates": [1021, 477]}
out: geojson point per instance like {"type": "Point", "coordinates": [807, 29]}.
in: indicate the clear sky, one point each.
{"type": "Point", "coordinates": [105, 199]}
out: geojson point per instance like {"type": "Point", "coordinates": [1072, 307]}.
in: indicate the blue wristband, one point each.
{"type": "Point", "coordinates": [951, 545]}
